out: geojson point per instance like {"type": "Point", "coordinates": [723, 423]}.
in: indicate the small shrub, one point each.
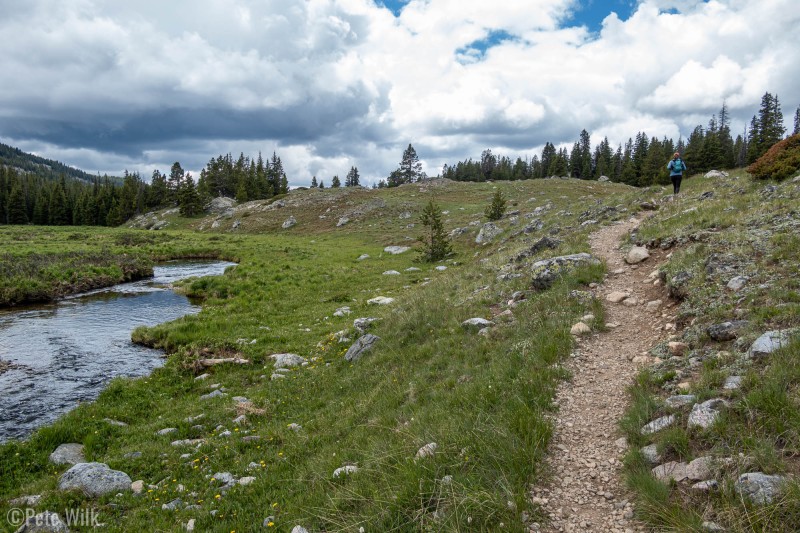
{"type": "Point", "coordinates": [497, 208]}
{"type": "Point", "coordinates": [780, 162]}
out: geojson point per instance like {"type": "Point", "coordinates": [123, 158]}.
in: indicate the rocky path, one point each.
{"type": "Point", "coordinates": [586, 492]}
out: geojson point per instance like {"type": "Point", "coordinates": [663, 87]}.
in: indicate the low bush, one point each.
{"type": "Point", "coordinates": [780, 162]}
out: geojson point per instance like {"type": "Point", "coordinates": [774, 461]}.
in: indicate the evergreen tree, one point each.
{"type": "Point", "coordinates": [352, 179]}
{"type": "Point", "coordinates": [548, 157]}
{"type": "Point", "coordinates": [725, 139]}
{"type": "Point", "coordinates": [313, 182]}
{"type": "Point", "coordinates": [57, 208]}
{"type": "Point", "coordinates": [189, 199]}
{"type": "Point", "coordinates": [796, 121]}
{"type": "Point", "coordinates": [241, 193]}
{"type": "Point", "coordinates": [16, 208]}
{"type": "Point", "coordinates": [497, 208]}
{"type": "Point", "coordinates": [176, 175]}
{"type": "Point", "coordinates": [488, 164]}
{"type": "Point", "coordinates": [157, 195]}
{"type": "Point", "coordinates": [321, 184]}
{"type": "Point", "coordinates": [435, 243]}
{"type": "Point", "coordinates": [410, 169]}
{"type": "Point", "coordinates": [283, 185]}
{"type": "Point", "coordinates": [41, 214]}
{"type": "Point", "coordinates": [335, 183]}
{"type": "Point", "coordinates": [113, 216]}
{"type": "Point", "coordinates": [693, 154]}
{"type": "Point", "coordinates": [712, 157]}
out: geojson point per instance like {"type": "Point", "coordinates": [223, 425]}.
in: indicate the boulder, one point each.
{"type": "Point", "coordinates": [395, 250]}
{"type": "Point", "coordinates": [342, 311]}
{"type": "Point", "coordinates": [533, 226]}
{"type": "Point", "coordinates": [768, 343]}
{"type": "Point", "coordinates": [760, 488]}
{"type": "Point", "coordinates": [737, 283]}
{"type": "Point", "coordinates": [603, 179]}
{"type": "Point", "coordinates": [616, 297]}
{"type": "Point", "coordinates": [362, 257]}
{"type": "Point", "coordinates": [651, 455]}
{"type": "Point", "coordinates": [212, 394]}
{"type": "Point", "coordinates": [289, 223]}
{"type": "Point", "coordinates": [287, 360]}
{"type": "Point", "coordinates": [345, 470]}
{"type": "Point", "coordinates": [715, 174]}
{"type": "Point", "coordinates": [299, 529]}
{"type": "Point", "coordinates": [361, 324]}
{"type": "Point", "coordinates": [580, 329]}
{"type": "Point", "coordinates": [362, 345]}
{"type": "Point", "coordinates": [678, 349]}
{"type": "Point", "coordinates": [546, 271]}
{"type": "Point", "coordinates": [380, 300]}
{"type": "Point", "coordinates": [391, 273]}
{"type": "Point", "coordinates": [636, 255]}
{"type": "Point", "coordinates": [697, 470]}
{"type": "Point", "coordinates": [221, 205]}
{"type": "Point", "coordinates": [680, 400]}
{"type": "Point", "coordinates": [68, 454]}
{"type": "Point", "coordinates": [487, 233]}
{"type": "Point", "coordinates": [704, 414]}
{"type": "Point", "coordinates": [678, 285]}
{"type": "Point", "coordinates": [732, 383]}
{"type": "Point", "coordinates": [476, 323]}
{"type": "Point", "coordinates": [726, 331]}
{"type": "Point", "coordinates": [658, 424]}
{"type": "Point", "coordinates": [542, 244]}
{"type": "Point", "coordinates": [342, 222]}
{"type": "Point", "coordinates": [46, 522]}
{"type": "Point", "coordinates": [94, 479]}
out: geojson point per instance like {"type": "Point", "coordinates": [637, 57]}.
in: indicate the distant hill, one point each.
{"type": "Point", "coordinates": [45, 168]}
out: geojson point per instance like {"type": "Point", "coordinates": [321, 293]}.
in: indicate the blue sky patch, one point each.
{"type": "Point", "coordinates": [591, 13]}
{"type": "Point", "coordinates": [477, 49]}
{"type": "Point", "coordinates": [395, 6]}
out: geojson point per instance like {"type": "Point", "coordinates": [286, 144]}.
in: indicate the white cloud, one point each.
{"type": "Point", "coordinates": [335, 83]}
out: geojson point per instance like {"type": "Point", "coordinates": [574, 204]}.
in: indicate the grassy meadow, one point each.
{"type": "Point", "coordinates": [484, 400]}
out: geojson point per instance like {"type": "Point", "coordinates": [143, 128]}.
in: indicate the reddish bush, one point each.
{"type": "Point", "coordinates": [780, 162]}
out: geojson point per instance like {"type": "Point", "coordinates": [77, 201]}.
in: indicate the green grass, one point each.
{"type": "Point", "coordinates": [483, 399]}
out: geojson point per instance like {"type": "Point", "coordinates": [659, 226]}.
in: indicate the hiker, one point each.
{"type": "Point", "coordinates": [676, 166]}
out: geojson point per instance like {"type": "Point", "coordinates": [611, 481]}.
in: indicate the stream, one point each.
{"type": "Point", "coordinates": [64, 353]}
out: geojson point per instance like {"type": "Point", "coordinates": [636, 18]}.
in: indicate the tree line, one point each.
{"type": "Point", "coordinates": [30, 197]}
{"type": "Point", "coordinates": [642, 160]}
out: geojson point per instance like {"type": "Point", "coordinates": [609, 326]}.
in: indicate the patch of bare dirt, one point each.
{"type": "Point", "coordinates": [586, 492]}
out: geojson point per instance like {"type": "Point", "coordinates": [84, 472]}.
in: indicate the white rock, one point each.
{"type": "Point", "coordinates": [395, 250]}
{"type": "Point", "coordinates": [732, 382]}
{"type": "Point", "coordinates": [636, 255]}
{"type": "Point", "coordinates": [94, 479]}
{"type": "Point", "coordinates": [704, 414]}
{"type": "Point", "coordinates": [737, 283]}
{"type": "Point", "coordinates": [760, 488]}
{"type": "Point", "coordinates": [658, 424]}
{"type": "Point", "coordinates": [289, 222]}
{"type": "Point", "coordinates": [345, 470]}
{"type": "Point", "coordinates": [391, 273]}
{"type": "Point", "coordinates": [616, 297]}
{"type": "Point", "coordinates": [580, 329]}
{"type": "Point", "coordinates": [441, 268]}
{"type": "Point", "coordinates": [380, 300]}
{"type": "Point", "coordinates": [362, 257]}
{"type": "Point", "coordinates": [427, 451]}
{"type": "Point", "coordinates": [287, 360]}
{"type": "Point", "coordinates": [476, 323]}
{"type": "Point", "coordinates": [246, 480]}
{"type": "Point", "coordinates": [68, 454]}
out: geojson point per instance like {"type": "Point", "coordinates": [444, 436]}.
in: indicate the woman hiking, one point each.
{"type": "Point", "coordinates": [676, 166]}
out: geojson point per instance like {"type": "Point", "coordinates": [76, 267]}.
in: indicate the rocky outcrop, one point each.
{"type": "Point", "coordinates": [547, 271]}
{"type": "Point", "coordinates": [94, 480]}
{"type": "Point", "coordinates": [396, 250]}
{"type": "Point", "coordinates": [487, 233]}
{"type": "Point", "coordinates": [760, 488]}
{"type": "Point", "coordinates": [287, 360]}
{"type": "Point", "coordinates": [362, 345]}
{"type": "Point", "coordinates": [768, 343]}
{"type": "Point", "coordinates": [68, 454]}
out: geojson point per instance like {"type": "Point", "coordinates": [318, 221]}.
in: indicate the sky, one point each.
{"type": "Point", "coordinates": [109, 85]}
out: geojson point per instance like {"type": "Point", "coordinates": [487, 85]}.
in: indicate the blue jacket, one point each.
{"type": "Point", "coordinates": [671, 167]}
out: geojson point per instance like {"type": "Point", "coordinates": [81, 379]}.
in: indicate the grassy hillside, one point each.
{"type": "Point", "coordinates": [722, 229]}
{"type": "Point", "coordinates": [484, 399]}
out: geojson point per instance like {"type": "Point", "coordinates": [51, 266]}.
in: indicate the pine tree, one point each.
{"type": "Point", "coordinates": [157, 195]}
{"type": "Point", "coordinates": [725, 139]}
{"type": "Point", "coordinates": [189, 199]}
{"type": "Point", "coordinates": [410, 169]}
{"type": "Point", "coordinates": [352, 179]}
{"type": "Point", "coordinates": [435, 243]}
{"type": "Point", "coordinates": [796, 121]}
{"type": "Point", "coordinates": [283, 185]}
{"type": "Point", "coordinates": [321, 184]}
{"type": "Point", "coordinates": [16, 208]}
{"type": "Point", "coordinates": [176, 175]}
{"type": "Point", "coordinates": [548, 156]}
{"type": "Point", "coordinates": [497, 208]}
{"type": "Point", "coordinates": [335, 183]}
{"type": "Point", "coordinates": [41, 215]}
{"type": "Point", "coordinates": [57, 208]}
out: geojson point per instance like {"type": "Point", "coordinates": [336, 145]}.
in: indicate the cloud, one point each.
{"type": "Point", "coordinates": [109, 85]}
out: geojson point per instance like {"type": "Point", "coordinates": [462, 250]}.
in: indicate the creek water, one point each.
{"type": "Point", "coordinates": [65, 352]}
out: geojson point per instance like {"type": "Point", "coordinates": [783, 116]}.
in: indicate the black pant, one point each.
{"type": "Point", "coordinates": [676, 183]}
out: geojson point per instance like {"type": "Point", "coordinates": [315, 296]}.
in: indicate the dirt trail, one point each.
{"type": "Point", "coordinates": [586, 492]}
